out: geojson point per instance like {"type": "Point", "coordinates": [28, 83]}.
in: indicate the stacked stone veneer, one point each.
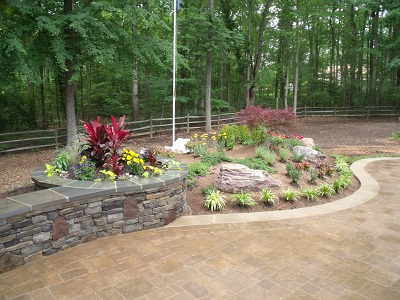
{"type": "Point", "coordinates": [28, 236]}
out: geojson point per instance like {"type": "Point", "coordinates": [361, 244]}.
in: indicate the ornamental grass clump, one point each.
{"type": "Point", "coordinates": [267, 155]}
{"type": "Point", "coordinates": [310, 193]}
{"type": "Point", "coordinates": [284, 154]}
{"type": "Point", "coordinates": [291, 195]}
{"type": "Point", "coordinates": [215, 201]}
{"type": "Point", "coordinates": [243, 198]}
{"type": "Point", "coordinates": [268, 197]}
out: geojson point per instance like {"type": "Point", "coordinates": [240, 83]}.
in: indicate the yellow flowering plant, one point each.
{"type": "Point", "coordinates": [134, 162]}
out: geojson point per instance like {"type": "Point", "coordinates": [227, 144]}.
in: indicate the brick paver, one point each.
{"type": "Point", "coordinates": [348, 254]}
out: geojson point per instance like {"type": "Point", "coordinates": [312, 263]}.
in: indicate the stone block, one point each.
{"type": "Point", "coordinates": [94, 204]}
{"type": "Point", "coordinates": [88, 238]}
{"type": "Point", "coordinates": [22, 224]}
{"type": "Point", "coordinates": [93, 210]}
{"type": "Point", "coordinates": [131, 221]}
{"type": "Point", "coordinates": [74, 215]}
{"type": "Point", "coordinates": [32, 249]}
{"type": "Point", "coordinates": [47, 227]}
{"type": "Point", "coordinates": [7, 238]}
{"type": "Point", "coordinates": [118, 224]}
{"type": "Point", "coordinates": [131, 208]}
{"type": "Point", "coordinates": [52, 215]}
{"type": "Point", "coordinates": [115, 217]}
{"type": "Point", "coordinates": [39, 218]}
{"type": "Point", "coordinates": [74, 228]}
{"type": "Point", "coordinates": [5, 228]}
{"type": "Point", "coordinates": [41, 237]}
{"type": "Point", "coordinates": [59, 243]}
{"type": "Point", "coordinates": [9, 261]}
{"type": "Point", "coordinates": [100, 222]}
{"type": "Point", "coordinates": [132, 228]}
{"type": "Point", "coordinates": [19, 246]}
{"type": "Point", "coordinates": [60, 228]}
{"type": "Point", "coordinates": [88, 223]}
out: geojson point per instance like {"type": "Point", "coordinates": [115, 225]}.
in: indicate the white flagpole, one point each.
{"type": "Point", "coordinates": [174, 78]}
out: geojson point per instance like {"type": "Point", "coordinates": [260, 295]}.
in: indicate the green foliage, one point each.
{"type": "Point", "coordinates": [395, 136]}
{"type": "Point", "coordinates": [259, 135]}
{"type": "Point", "coordinates": [294, 173]}
{"type": "Point", "coordinates": [275, 140]}
{"type": "Point", "coordinates": [255, 164]}
{"type": "Point", "coordinates": [243, 198]}
{"type": "Point", "coordinates": [291, 195]}
{"type": "Point", "coordinates": [212, 159]}
{"type": "Point", "coordinates": [310, 193]}
{"type": "Point", "coordinates": [267, 155]}
{"type": "Point", "coordinates": [50, 170]}
{"type": "Point", "coordinates": [61, 162]}
{"type": "Point", "coordinates": [244, 135]}
{"type": "Point", "coordinates": [110, 175]}
{"type": "Point", "coordinates": [268, 197]}
{"type": "Point", "coordinates": [325, 190]}
{"type": "Point", "coordinates": [214, 200]}
{"type": "Point", "coordinates": [313, 175]}
{"type": "Point", "coordinates": [230, 134]}
{"type": "Point", "coordinates": [298, 157]}
{"type": "Point", "coordinates": [208, 189]}
{"type": "Point", "coordinates": [284, 154]}
{"type": "Point", "coordinates": [197, 169]}
{"type": "Point", "coordinates": [292, 142]}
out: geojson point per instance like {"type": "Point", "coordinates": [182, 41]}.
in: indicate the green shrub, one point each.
{"type": "Point", "coordinates": [284, 154]}
{"type": "Point", "coordinates": [244, 135]}
{"type": "Point", "coordinates": [268, 197]}
{"type": "Point", "coordinates": [275, 140]}
{"type": "Point", "coordinates": [255, 164]}
{"type": "Point", "coordinates": [61, 162]}
{"type": "Point", "coordinates": [243, 198]}
{"type": "Point", "coordinates": [294, 173]}
{"type": "Point", "coordinates": [298, 157]}
{"type": "Point", "coordinates": [230, 134]}
{"type": "Point", "coordinates": [214, 200]}
{"type": "Point", "coordinates": [293, 142]}
{"type": "Point", "coordinates": [267, 155]}
{"type": "Point", "coordinates": [259, 135]}
{"type": "Point", "coordinates": [208, 189]}
{"type": "Point", "coordinates": [215, 158]}
{"type": "Point", "coordinates": [197, 169]}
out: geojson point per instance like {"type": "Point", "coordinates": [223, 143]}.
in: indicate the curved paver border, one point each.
{"type": "Point", "coordinates": [368, 190]}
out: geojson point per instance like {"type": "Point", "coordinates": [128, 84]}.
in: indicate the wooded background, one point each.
{"type": "Point", "coordinates": [114, 57]}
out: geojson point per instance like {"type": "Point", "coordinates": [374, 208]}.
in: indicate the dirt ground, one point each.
{"type": "Point", "coordinates": [348, 136]}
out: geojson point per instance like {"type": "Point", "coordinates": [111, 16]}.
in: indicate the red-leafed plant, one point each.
{"type": "Point", "coordinates": [96, 139]}
{"type": "Point", "coordinates": [112, 164]}
{"type": "Point", "coordinates": [105, 142]}
{"type": "Point", "coordinates": [275, 119]}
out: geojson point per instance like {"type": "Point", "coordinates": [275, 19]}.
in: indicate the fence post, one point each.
{"type": "Point", "coordinates": [218, 121]}
{"type": "Point", "coordinates": [188, 121]}
{"type": "Point", "coordinates": [151, 127]}
{"type": "Point", "coordinates": [335, 110]}
{"type": "Point", "coordinates": [56, 138]}
{"type": "Point", "coordinates": [367, 112]}
{"type": "Point", "coordinates": [305, 111]}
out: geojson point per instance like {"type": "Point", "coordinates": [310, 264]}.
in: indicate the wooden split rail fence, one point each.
{"type": "Point", "coordinates": [55, 138]}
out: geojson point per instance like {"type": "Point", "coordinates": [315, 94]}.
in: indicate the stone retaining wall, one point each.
{"type": "Point", "coordinates": [30, 235]}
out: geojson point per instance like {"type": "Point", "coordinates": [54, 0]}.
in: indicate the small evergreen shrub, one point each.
{"type": "Point", "coordinates": [267, 155]}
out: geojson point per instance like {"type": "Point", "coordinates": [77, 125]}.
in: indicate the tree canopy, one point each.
{"type": "Point", "coordinates": [115, 57]}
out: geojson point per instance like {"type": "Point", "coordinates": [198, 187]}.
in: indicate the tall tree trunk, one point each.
{"type": "Point", "coordinates": [373, 57]}
{"type": "Point", "coordinates": [296, 75]}
{"type": "Point", "coordinates": [69, 85]}
{"type": "Point", "coordinates": [248, 55]}
{"type": "Point", "coordinates": [257, 63]}
{"type": "Point", "coordinates": [88, 90]}
{"type": "Point", "coordinates": [209, 68]}
{"type": "Point", "coordinates": [42, 100]}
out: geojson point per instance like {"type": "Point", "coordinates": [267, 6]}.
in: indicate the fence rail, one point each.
{"type": "Point", "coordinates": [26, 140]}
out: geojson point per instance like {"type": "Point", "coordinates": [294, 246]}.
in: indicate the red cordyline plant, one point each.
{"type": "Point", "coordinates": [275, 119]}
{"type": "Point", "coordinates": [105, 142]}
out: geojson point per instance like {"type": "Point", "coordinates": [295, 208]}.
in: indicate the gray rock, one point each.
{"type": "Point", "coordinates": [233, 178]}
{"type": "Point", "coordinates": [308, 142]}
{"type": "Point", "coordinates": [309, 154]}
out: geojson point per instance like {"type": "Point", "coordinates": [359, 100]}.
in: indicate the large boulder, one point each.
{"type": "Point", "coordinates": [308, 142]}
{"type": "Point", "coordinates": [233, 178]}
{"type": "Point", "coordinates": [309, 154]}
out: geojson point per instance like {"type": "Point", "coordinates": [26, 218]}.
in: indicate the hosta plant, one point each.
{"type": "Point", "coordinates": [268, 197]}
{"type": "Point", "coordinates": [243, 198]}
{"type": "Point", "coordinates": [215, 201]}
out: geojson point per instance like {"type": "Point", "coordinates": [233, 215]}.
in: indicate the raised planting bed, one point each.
{"type": "Point", "coordinates": [64, 213]}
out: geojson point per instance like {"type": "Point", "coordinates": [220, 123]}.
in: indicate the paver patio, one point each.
{"type": "Point", "coordinates": [323, 253]}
